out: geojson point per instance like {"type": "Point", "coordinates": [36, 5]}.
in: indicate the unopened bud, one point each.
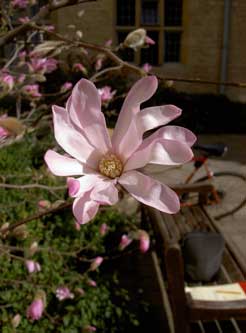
{"type": "Point", "coordinates": [33, 249]}
{"type": "Point", "coordinates": [20, 232]}
{"type": "Point", "coordinates": [96, 263]}
{"type": "Point", "coordinates": [16, 320]}
{"type": "Point", "coordinates": [135, 39]}
{"type": "Point", "coordinates": [79, 34]}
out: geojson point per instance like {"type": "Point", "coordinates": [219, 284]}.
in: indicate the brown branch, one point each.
{"type": "Point", "coordinates": [43, 12]}
{"type": "Point", "coordinates": [200, 81]}
{"type": "Point", "coordinates": [36, 216]}
{"type": "Point", "coordinates": [25, 186]}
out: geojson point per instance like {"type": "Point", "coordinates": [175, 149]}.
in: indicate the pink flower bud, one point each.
{"type": "Point", "coordinates": [96, 263]}
{"type": "Point", "coordinates": [32, 266]}
{"type": "Point", "coordinates": [66, 86]}
{"type": "Point", "coordinates": [124, 242]}
{"type": "Point", "coordinates": [147, 67]}
{"type": "Point", "coordinates": [16, 320]}
{"type": "Point", "coordinates": [63, 293]}
{"type": "Point", "coordinates": [98, 64]}
{"type": "Point", "coordinates": [144, 241]}
{"type": "Point", "coordinates": [35, 309]}
{"type": "Point", "coordinates": [44, 204]}
{"type": "Point", "coordinates": [103, 229]}
{"type": "Point", "coordinates": [108, 42]}
{"type": "Point", "coordinates": [149, 41]}
{"type": "Point", "coordinates": [80, 291]}
{"type": "Point", "coordinates": [92, 283]}
{"type": "Point", "coordinates": [89, 328]}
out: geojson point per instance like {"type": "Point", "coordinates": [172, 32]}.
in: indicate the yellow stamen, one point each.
{"type": "Point", "coordinates": [111, 166]}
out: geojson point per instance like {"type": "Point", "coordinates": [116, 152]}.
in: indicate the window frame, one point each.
{"type": "Point", "coordinates": [160, 28]}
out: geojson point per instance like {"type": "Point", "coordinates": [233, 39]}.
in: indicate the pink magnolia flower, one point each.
{"type": "Point", "coordinates": [7, 80]}
{"type": "Point", "coordinates": [21, 78]}
{"type": "Point", "coordinates": [35, 310]}
{"type": "Point", "coordinates": [144, 241]}
{"type": "Point", "coordinates": [19, 3]}
{"type": "Point", "coordinates": [32, 266]}
{"type": "Point", "coordinates": [103, 163]}
{"type": "Point", "coordinates": [106, 94]}
{"type": "Point", "coordinates": [24, 19]}
{"type": "Point", "coordinates": [32, 90]}
{"type": "Point", "coordinates": [63, 293]}
{"type": "Point", "coordinates": [3, 133]}
{"type": "Point", "coordinates": [103, 229]}
{"type": "Point", "coordinates": [96, 263]}
{"type": "Point", "coordinates": [147, 67]}
{"type": "Point", "coordinates": [42, 65]}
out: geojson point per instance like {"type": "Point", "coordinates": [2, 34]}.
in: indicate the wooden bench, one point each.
{"type": "Point", "coordinates": [189, 315]}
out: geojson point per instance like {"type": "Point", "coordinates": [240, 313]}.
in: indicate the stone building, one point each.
{"type": "Point", "coordinates": [201, 39]}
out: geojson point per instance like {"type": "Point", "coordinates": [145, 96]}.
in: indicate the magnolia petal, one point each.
{"type": "Point", "coordinates": [105, 193]}
{"type": "Point", "coordinates": [85, 111]}
{"type": "Point", "coordinates": [62, 165]}
{"type": "Point", "coordinates": [176, 133]}
{"type": "Point", "coordinates": [150, 192]}
{"type": "Point", "coordinates": [88, 182]}
{"type": "Point", "coordinates": [156, 116]}
{"type": "Point", "coordinates": [71, 140]}
{"type": "Point", "coordinates": [73, 186]}
{"type": "Point", "coordinates": [160, 151]}
{"type": "Point", "coordinates": [85, 209]}
{"type": "Point", "coordinates": [139, 93]}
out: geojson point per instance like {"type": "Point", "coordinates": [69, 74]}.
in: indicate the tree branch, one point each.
{"type": "Point", "coordinates": [43, 12]}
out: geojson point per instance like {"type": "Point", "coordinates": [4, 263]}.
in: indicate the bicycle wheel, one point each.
{"type": "Point", "coordinates": [231, 188]}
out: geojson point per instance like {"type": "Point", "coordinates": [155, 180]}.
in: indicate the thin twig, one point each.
{"type": "Point", "coordinates": [25, 186]}
{"type": "Point", "coordinates": [36, 216]}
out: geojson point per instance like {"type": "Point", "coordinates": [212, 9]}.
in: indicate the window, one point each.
{"type": "Point", "coordinates": [162, 20]}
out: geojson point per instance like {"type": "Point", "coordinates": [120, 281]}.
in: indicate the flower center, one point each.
{"type": "Point", "coordinates": [110, 166]}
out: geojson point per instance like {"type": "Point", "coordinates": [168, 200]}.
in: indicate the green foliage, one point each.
{"type": "Point", "coordinates": [64, 253]}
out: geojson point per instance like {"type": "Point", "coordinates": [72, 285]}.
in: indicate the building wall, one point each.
{"type": "Point", "coordinates": [201, 40]}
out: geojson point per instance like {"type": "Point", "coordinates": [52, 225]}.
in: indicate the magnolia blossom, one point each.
{"type": "Point", "coordinates": [24, 19]}
{"type": "Point", "coordinates": [42, 65]}
{"type": "Point", "coordinates": [138, 39]}
{"type": "Point", "coordinates": [96, 263]}
{"type": "Point", "coordinates": [3, 133]}
{"type": "Point", "coordinates": [32, 266]}
{"type": "Point", "coordinates": [103, 163]}
{"type": "Point", "coordinates": [63, 293]}
{"type": "Point", "coordinates": [124, 242]}
{"type": "Point", "coordinates": [6, 80]}
{"type": "Point", "coordinates": [106, 94]}
{"type": "Point", "coordinates": [32, 90]}
{"type": "Point", "coordinates": [35, 310]}
{"type": "Point", "coordinates": [19, 3]}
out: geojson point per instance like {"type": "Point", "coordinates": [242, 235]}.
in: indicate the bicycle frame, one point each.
{"type": "Point", "coordinates": [199, 162]}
